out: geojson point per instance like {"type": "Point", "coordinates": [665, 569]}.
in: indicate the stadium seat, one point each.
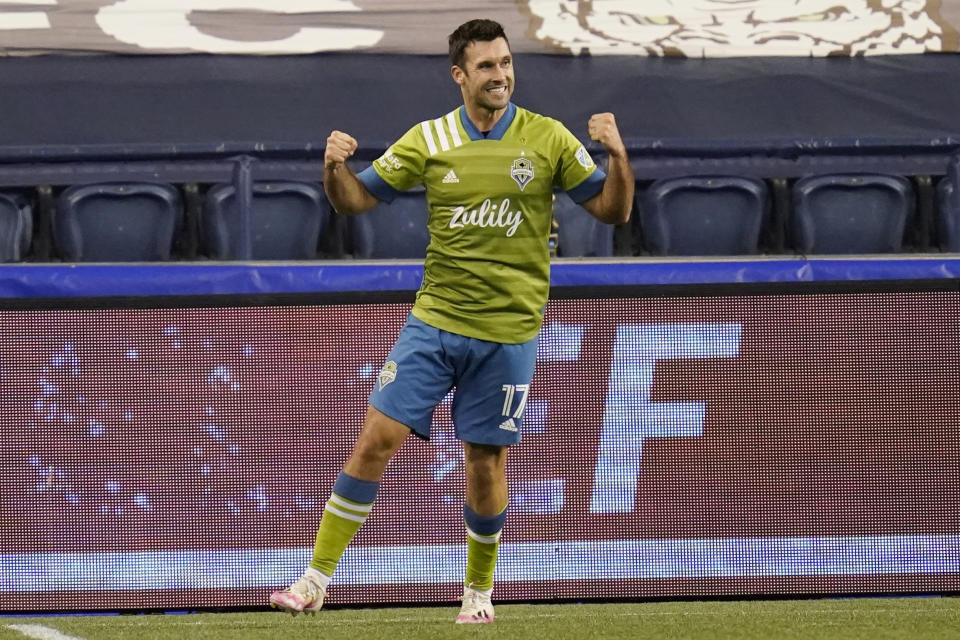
{"type": "Point", "coordinates": [854, 213]}
{"type": "Point", "coordinates": [392, 230]}
{"type": "Point", "coordinates": [948, 207]}
{"type": "Point", "coordinates": [16, 226]}
{"type": "Point", "coordinates": [284, 222]}
{"type": "Point", "coordinates": [579, 233]}
{"type": "Point", "coordinates": [117, 222]}
{"type": "Point", "coordinates": [948, 218]}
{"type": "Point", "coordinates": [704, 215]}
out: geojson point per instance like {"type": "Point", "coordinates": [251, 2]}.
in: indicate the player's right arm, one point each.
{"type": "Point", "coordinates": [343, 188]}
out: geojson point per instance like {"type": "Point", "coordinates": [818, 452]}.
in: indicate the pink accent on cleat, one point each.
{"type": "Point", "coordinates": [476, 609]}
{"type": "Point", "coordinates": [304, 595]}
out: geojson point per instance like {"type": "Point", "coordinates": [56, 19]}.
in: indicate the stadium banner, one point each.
{"type": "Point", "coordinates": [746, 442]}
{"type": "Point", "coordinates": [683, 28]}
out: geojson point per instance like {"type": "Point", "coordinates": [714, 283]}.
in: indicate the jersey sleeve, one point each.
{"type": "Point", "coordinates": [579, 175]}
{"type": "Point", "coordinates": [399, 168]}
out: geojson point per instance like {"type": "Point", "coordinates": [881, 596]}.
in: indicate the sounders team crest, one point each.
{"type": "Point", "coordinates": [522, 172]}
{"type": "Point", "coordinates": [387, 374]}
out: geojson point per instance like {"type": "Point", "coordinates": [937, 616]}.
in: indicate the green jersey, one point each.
{"type": "Point", "coordinates": [490, 201]}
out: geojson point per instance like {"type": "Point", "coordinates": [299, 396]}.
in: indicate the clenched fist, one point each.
{"type": "Point", "coordinates": [340, 146]}
{"type": "Point", "coordinates": [602, 127]}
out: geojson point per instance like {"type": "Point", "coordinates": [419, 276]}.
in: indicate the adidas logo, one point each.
{"type": "Point", "coordinates": [508, 425]}
{"type": "Point", "coordinates": [450, 177]}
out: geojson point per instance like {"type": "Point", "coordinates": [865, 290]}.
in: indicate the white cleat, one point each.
{"type": "Point", "coordinates": [304, 595]}
{"type": "Point", "coordinates": [477, 608]}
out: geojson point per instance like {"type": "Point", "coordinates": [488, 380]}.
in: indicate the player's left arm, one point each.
{"type": "Point", "coordinates": [615, 201]}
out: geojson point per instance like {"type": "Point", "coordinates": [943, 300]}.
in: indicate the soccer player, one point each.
{"type": "Point", "coordinates": [489, 168]}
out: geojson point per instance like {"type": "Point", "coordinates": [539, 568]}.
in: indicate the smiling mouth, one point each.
{"type": "Point", "coordinates": [498, 90]}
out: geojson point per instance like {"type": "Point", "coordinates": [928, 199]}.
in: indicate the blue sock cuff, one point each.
{"type": "Point", "coordinates": [362, 491]}
{"type": "Point", "coordinates": [484, 525]}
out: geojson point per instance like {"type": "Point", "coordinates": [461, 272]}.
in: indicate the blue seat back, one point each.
{"type": "Point", "coordinates": [948, 216]}
{"type": "Point", "coordinates": [948, 210]}
{"type": "Point", "coordinates": [285, 221]}
{"type": "Point", "coordinates": [392, 230]}
{"type": "Point", "coordinates": [16, 226]}
{"type": "Point", "coordinates": [117, 222]}
{"type": "Point", "coordinates": [579, 234]}
{"type": "Point", "coordinates": [704, 215]}
{"type": "Point", "coordinates": [852, 213]}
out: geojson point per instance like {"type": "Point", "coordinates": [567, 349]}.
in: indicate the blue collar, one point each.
{"type": "Point", "coordinates": [498, 129]}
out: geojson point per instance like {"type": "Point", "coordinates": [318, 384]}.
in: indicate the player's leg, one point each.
{"type": "Point", "coordinates": [485, 512]}
{"type": "Point", "coordinates": [356, 488]}
{"type": "Point", "coordinates": [492, 389]}
{"type": "Point", "coordinates": [409, 386]}
{"type": "Point", "coordinates": [347, 509]}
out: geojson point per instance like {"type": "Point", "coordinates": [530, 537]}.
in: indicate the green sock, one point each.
{"type": "Point", "coordinates": [340, 522]}
{"type": "Point", "coordinates": [483, 540]}
{"type": "Point", "coordinates": [481, 560]}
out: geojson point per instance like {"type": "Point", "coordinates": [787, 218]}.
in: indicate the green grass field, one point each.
{"type": "Point", "coordinates": [855, 618]}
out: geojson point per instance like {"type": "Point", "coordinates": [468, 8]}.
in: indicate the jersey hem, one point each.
{"type": "Point", "coordinates": [442, 322]}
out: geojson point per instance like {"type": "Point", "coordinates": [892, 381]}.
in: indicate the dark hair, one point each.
{"type": "Point", "coordinates": [475, 30]}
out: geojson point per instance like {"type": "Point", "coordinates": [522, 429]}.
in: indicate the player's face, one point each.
{"type": "Point", "coordinates": [486, 76]}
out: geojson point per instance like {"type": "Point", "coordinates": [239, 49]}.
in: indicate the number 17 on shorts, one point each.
{"type": "Point", "coordinates": [514, 402]}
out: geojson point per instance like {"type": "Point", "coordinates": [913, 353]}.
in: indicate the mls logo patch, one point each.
{"type": "Point", "coordinates": [584, 158]}
{"type": "Point", "coordinates": [522, 172]}
{"type": "Point", "coordinates": [388, 374]}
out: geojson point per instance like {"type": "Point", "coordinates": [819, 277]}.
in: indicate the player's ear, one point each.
{"type": "Point", "coordinates": [458, 74]}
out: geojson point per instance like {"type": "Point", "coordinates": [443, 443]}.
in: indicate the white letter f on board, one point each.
{"type": "Point", "coordinates": [630, 417]}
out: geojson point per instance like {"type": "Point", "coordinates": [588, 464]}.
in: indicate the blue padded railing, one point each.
{"type": "Point", "coordinates": [239, 278]}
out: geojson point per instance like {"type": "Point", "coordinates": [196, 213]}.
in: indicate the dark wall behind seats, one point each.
{"type": "Point", "coordinates": [296, 101]}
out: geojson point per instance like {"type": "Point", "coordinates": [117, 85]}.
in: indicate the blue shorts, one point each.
{"type": "Point", "coordinates": [492, 382]}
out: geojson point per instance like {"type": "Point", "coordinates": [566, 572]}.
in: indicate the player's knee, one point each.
{"type": "Point", "coordinates": [485, 463]}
